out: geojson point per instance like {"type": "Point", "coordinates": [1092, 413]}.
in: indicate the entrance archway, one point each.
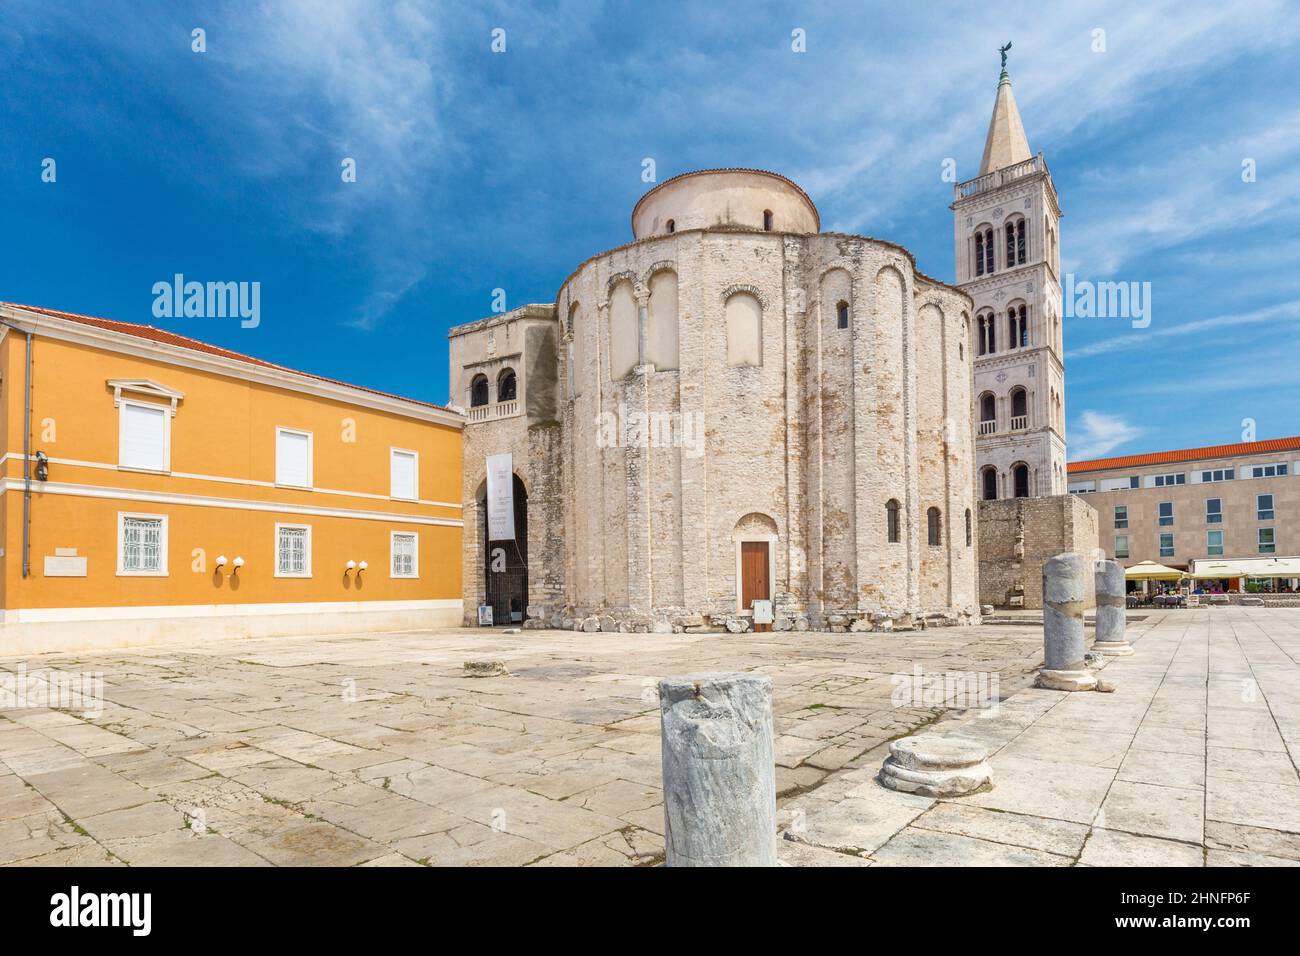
{"type": "Point", "coordinates": [505, 564]}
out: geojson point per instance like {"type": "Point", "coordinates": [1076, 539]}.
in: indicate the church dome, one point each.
{"type": "Point", "coordinates": [739, 199]}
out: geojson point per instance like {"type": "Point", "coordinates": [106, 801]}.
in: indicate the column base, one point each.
{"type": "Point", "coordinates": [1112, 648]}
{"type": "Point", "coordinates": [935, 766]}
{"type": "Point", "coordinates": [1066, 680]}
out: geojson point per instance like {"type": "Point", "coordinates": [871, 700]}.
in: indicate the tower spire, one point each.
{"type": "Point", "coordinates": [1006, 143]}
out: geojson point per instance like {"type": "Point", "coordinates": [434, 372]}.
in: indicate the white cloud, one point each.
{"type": "Point", "coordinates": [1282, 314]}
{"type": "Point", "coordinates": [1098, 433]}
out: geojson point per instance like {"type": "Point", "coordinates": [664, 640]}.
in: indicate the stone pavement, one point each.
{"type": "Point", "coordinates": [380, 751]}
{"type": "Point", "coordinates": [1191, 761]}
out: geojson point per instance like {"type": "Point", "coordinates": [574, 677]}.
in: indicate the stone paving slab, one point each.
{"type": "Point", "coordinates": [1192, 761]}
{"type": "Point", "coordinates": [378, 751]}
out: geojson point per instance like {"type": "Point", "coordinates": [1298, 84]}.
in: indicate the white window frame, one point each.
{"type": "Point", "coordinates": [275, 553]}
{"type": "Point", "coordinates": [415, 476]}
{"type": "Point", "coordinates": [1210, 545]}
{"type": "Point", "coordinates": [1160, 518]}
{"type": "Point", "coordinates": [1118, 539]}
{"type": "Point", "coordinates": [167, 411]}
{"type": "Point", "coordinates": [1272, 544]}
{"type": "Point", "coordinates": [1271, 510]}
{"type": "Point", "coordinates": [311, 457]}
{"type": "Point", "coordinates": [122, 571]}
{"type": "Point", "coordinates": [392, 553]}
{"type": "Point", "coordinates": [1213, 517]}
{"type": "Point", "coordinates": [1118, 519]}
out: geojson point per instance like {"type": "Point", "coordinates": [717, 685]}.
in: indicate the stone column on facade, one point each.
{"type": "Point", "coordinates": [719, 770]}
{"type": "Point", "coordinates": [637, 450]}
{"type": "Point", "coordinates": [1064, 593]}
{"type": "Point", "coordinates": [641, 293]}
{"type": "Point", "coordinates": [1111, 606]}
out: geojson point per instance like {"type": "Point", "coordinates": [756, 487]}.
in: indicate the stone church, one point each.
{"type": "Point", "coordinates": [738, 420]}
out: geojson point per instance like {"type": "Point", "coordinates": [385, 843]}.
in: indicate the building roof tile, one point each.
{"type": "Point", "coordinates": [1206, 452]}
{"type": "Point", "coordinates": [176, 340]}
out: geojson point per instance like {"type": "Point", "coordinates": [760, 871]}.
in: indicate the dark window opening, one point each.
{"type": "Point", "coordinates": [1020, 475]}
{"type": "Point", "coordinates": [932, 526]}
{"type": "Point", "coordinates": [891, 520]}
{"type": "Point", "coordinates": [478, 391]}
{"type": "Point", "coordinates": [767, 220]}
{"type": "Point", "coordinates": [842, 314]}
{"type": "Point", "coordinates": [506, 387]}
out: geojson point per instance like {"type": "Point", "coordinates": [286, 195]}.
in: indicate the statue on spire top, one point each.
{"type": "Point", "coordinates": [1003, 50]}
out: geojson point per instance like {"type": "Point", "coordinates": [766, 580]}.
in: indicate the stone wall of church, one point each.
{"type": "Point", "coordinates": [1017, 535]}
{"type": "Point", "coordinates": [759, 418]}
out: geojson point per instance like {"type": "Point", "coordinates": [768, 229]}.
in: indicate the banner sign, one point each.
{"type": "Point", "coordinates": [500, 498]}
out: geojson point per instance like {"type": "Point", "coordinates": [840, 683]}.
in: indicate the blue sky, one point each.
{"type": "Point", "coordinates": [478, 171]}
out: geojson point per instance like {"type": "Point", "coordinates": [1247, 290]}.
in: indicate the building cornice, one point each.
{"type": "Point", "coordinates": [94, 336]}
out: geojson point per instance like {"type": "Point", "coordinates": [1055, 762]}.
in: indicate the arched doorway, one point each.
{"type": "Point", "coordinates": [505, 564]}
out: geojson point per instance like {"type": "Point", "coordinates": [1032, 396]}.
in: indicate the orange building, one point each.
{"type": "Point", "coordinates": [159, 488]}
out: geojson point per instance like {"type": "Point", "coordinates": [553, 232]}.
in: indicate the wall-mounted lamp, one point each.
{"type": "Point", "coordinates": [42, 466]}
{"type": "Point", "coordinates": [350, 566]}
{"type": "Point", "coordinates": [221, 560]}
{"type": "Point", "coordinates": [362, 566]}
{"type": "Point", "coordinates": [239, 563]}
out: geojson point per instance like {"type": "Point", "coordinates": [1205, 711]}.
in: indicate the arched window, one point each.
{"type": "Point", "coordinates": [842, 314]}
{"type": "Point", "coordinates": [767, 220]}
{"type": "Point", "coordinates": [891, 520]}
{"type": "Point", "coordinates": [1017, 327]}
{"type": "Point", "coordinates": [1019, 407]}
{"type": "Point", "coordinates": [672, 225]}
{"type": "Point", "coordinates": [744, 330]}
{"type": "Point", "coordinates": [989, 477]}
{"type": "Point", "coordinates": [1020, 480]}
{"type": "Point", "coordinates": [969, 535]}
{"type": "Point", "coordinates": [979, 253]}
{"type": "Point", "coordinates": [932, 526]}
{"type": "Point", "coordinates": [506, 386]}
{"type": "Point", "coordinates": [478, 391]}
{"type": "Point", "coordinates": [988, 412]}
{"type": "Point", "coordinates": [988, 333]}
{"type": "Point", "coordinates": [1015, 231]}
{"type": "Point", "coordinates": [988, 251]}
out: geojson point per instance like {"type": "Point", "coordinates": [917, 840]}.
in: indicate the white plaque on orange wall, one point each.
{"type": "Point", "coordinates": [500, 498]}
{"type": "Point", "coordinates": [63, 566]}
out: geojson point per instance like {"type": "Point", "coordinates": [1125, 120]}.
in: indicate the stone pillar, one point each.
{"type": "Point", "coordinates": [719, 770]}
{"type": "Point", "coordinates": [1110, 611]}
{"type": "Point", "coordinates": [1064, 592]}
{"type": "Point", "coordinates": [642, 295]}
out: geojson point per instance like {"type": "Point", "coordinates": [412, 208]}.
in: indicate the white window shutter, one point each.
{"type": "Point", "coordinates": [403, 474]}
{"type": "Point", "coordinates": [143, 438]}
{"type": "Point", "coordinates": [293, 459]}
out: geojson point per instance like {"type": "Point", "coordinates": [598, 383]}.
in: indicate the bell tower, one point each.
{"type": "Point", "coordinates": [1007, 245]}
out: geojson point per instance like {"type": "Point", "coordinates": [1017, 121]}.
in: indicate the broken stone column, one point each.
{"type": "Point", "coordinates": [719, 770]}
{"type": "Point", "coordinates": [936, 766]}
{"type": "Point", "coordinates": [1064, 592]}
{"type": "Point", "coordinates": [1111, 608]}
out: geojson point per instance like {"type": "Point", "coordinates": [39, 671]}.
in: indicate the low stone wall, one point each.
{"type": "Point", "coordinates": [1017, 535]}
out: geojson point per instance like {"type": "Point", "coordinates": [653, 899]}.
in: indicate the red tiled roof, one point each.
{"type": "Point", "coordinates": [1187, 454]}
{"type": "Point", "coordinates": [175, 340]}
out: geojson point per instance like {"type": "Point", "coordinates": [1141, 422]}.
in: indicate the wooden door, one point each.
{"type": "Point", "coordinates": [754, 583]}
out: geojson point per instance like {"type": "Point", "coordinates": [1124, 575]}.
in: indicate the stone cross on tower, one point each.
{"type": "Point", "coordinates": [1006, 223]}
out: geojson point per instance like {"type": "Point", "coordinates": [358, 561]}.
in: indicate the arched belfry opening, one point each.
{"type": "Point", "coordinates": [505, 563]}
